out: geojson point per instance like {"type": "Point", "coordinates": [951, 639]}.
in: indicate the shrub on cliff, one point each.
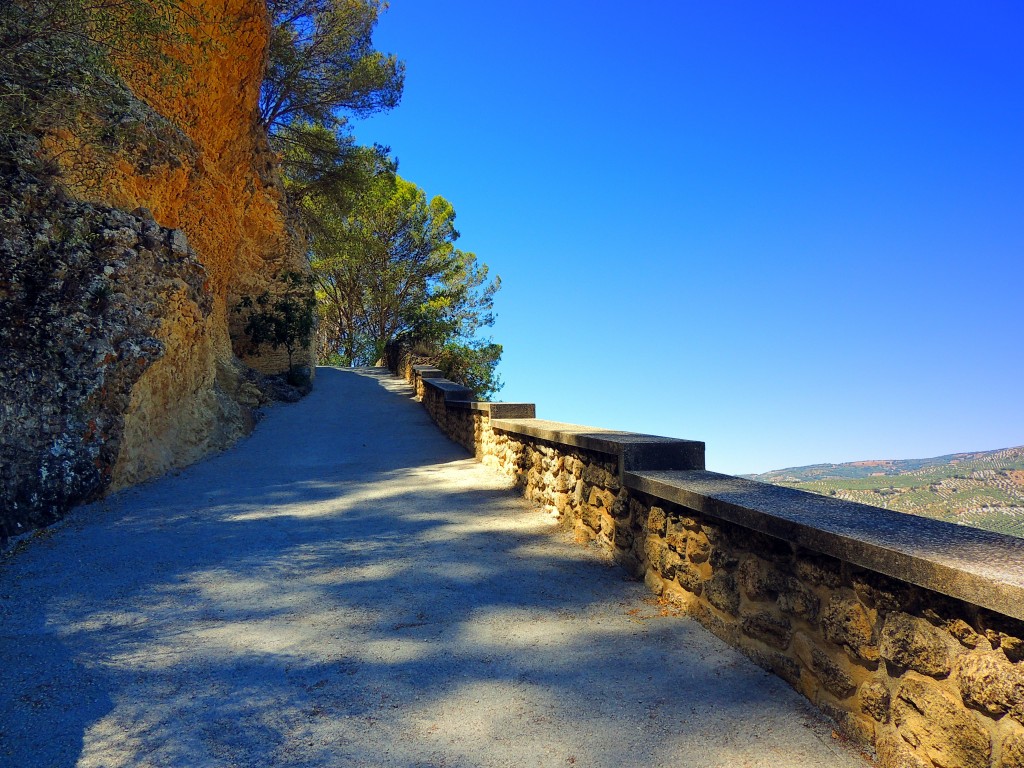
{"type": "Point", "coordinates": [59, 60]}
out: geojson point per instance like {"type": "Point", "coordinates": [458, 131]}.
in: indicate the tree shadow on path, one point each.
{"type": "Point", "coordinates": [345, 587]}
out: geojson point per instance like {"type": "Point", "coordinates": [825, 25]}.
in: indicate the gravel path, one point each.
{"type": "Point", "coordinates": [346, 588]}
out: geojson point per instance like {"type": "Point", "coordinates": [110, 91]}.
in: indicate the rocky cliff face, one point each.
{"type": "Point", "coordinates": [123, 343]}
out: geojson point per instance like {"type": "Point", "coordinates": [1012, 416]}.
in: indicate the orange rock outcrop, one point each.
{"type": "Point", "coordinates": [202, 166]}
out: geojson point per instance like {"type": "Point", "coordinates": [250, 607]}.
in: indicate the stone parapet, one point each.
{"type": "Point", "coordinates": [966, 563]}
{"type": "Point", "coordinates": [908, 632]}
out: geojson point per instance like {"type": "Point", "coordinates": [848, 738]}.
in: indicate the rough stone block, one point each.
{"type": "Point", "coordinates": [894, 752]}
{"type": "Point", "coordinates": [874, 700]}
{"type": "Point", "coordinates": [833, 677]}
{"type": "Point", "coordinates": [654, 552]}
{"type": "Point", "coordinates": [912, 643]}
{"type": "Point", "coordinates": [656, 521]}
{"type": "Point", "coordinates": [775, 662]}
{"type": "Point", "coordinates": [768, 628]}
{"type": "Point", "coordinates": [654, 582]}
{"type": "Point", "coordinates": [670, 561]}
{"type": "Point", "coordinates": [818, 570]}
{"type": "Point", "coordinates": [722, 592]}
{"type": "Point", "coordinates": [760, 580]}
{"type": "Point", "coordinates": [689, 578]}
{"type": "Point", "coordinates": [798, 600]}
{"type": "Point", "coordinates": [698, 548]}
{"type": "Point", "coordinates": [879, 592]}
{"type": "Point", "coordinates": [847, 623]}
{"type": "Point", "coordinates": [591, 516]}
{"type": "Point", "coordinates": [990, 682]}
{"type": "Point", "coordinates": [939, 728]}
{"type": "Point", "coordinates": [1013, 751]}
{"type": "Point", "coordinates": [964, 633]}
{"type": "Point", "coordinates": [676, 536]}
{"type": "Point", "coordinates": [601, 498]}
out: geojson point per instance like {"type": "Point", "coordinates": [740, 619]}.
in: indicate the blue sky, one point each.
{"type": "Point", "coordinates": [792, 230]}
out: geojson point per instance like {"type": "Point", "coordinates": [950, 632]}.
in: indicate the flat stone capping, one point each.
{"type": "Point", "coordinates": [976, 566]}
{"type": "Point", "coordinates": [451, 390]}
{"type": "Point", "coordinates": [498, 410]}
{"type": "Point", "coordinates": [635, 451]}
{"type": "Point", "coordinates": [428, 372]}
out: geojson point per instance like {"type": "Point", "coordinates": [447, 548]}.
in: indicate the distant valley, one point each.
{"type": "Point", "coordinates": [983, 489]}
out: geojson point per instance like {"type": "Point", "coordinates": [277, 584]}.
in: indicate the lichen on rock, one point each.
{"type": "Point", "coordinates": [121, 358]}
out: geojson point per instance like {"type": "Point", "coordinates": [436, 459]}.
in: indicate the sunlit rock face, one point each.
{"type": "Point", "coordinates": [191, 163]}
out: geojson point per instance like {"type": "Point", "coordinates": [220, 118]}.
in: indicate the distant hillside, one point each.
{"type": "Point", "coordinates": [983, 489]}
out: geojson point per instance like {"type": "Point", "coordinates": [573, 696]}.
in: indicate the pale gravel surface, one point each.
{"type": "Point", "coordinates": [346, 588]}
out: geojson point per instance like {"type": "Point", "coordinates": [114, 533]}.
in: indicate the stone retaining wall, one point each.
{"type": "Point", "coordinates": [908, 632]}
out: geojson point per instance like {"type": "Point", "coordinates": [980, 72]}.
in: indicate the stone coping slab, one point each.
{"type": "Point", "coordinates": [428, 372]}
{"type": "Point", "coordinates": [979, 567]}
{"type": "Point", "coordinates": [498, 410]}
{"type": "Point", "coordinates": [451, 390]}
{"type": "Point", "coordinates": [636, 451]}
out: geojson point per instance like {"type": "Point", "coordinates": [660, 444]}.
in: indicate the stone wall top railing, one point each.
{"type": "Point", "coordinates": [970, 564]}
{"type": "Point", "coordinates": [909, 632]}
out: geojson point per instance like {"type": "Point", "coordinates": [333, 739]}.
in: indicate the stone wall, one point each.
{"type": "Point", "coordinates": [908, 632]}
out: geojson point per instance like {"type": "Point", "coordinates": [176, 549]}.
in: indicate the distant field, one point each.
{"type": "Point", "coordinates": [984, 490]}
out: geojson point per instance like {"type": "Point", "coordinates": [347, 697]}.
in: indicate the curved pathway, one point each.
{"type": "Point", "coordinates": [346, 588]}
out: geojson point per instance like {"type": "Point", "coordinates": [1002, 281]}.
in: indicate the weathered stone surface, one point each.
{"type": "Point", "coordinates": [578, 493]}
{"type": "Point", "coordinates": [722, 592]}
{"type": "Point", "coordinates": [818, 570]}
{"type": "Point", "coordinates": [846, 622]}
{"type": "Point", "coordinates": [964, 633]}
{"type": "Point", "coordinates": [564, 482]}
{"type": "Point", "coordinates": [95, 306]}
{"type": "Point", "coordinates": [1013, 647]}
{"type": "Point", "coordinates": [698, 548]}
{"type": "Point", "coordinates": [912, 643]}
{"type": "Point", "coordinates": [595, 475]}
{"type": "Point", "coordinates": [670, 562]}
{"type": "Point", "coordinates": [829, 673]}
{"type": "Point", "coordinates": [676, 535]}
{"type": "Point", "coordinates": [989, 682]}
{"type": "Point", "coordinates": [760, 580]}
{"type": "Point", "coordinates": [937, 727]}
{"type": "Point", "coordinates": [874, 700]}
{"type": "Point", "coordinates": [768, 628]}
{"type": "Point", "coordinates": [835, 679]}
{"type": "Point", "coordinates": [1010, 644]}
{"type": "Point", "coordinates": [689, 578]}
{"type": "Point", "coordinates": [1013, 751]}
{"type": "Point", "coordinates": [894, 752]}
{"type": "Point", "coordinates": [778, 663]}
{"type": "Point", "coordinates": [798, 600]}
{"type": "Point", "coordinates": [656, 521]}
{"type": "Point", "coordinates": [654, 582]}
{"type": "Point", "coordinates": [877, 591]}
{"type": "Point", "coordinates": [601, 498]}
{"type": "Point", "coordinates": [654, 552]}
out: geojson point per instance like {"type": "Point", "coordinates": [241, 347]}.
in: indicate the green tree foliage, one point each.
{"type": "Point", "coordinates": [473, 364]}
{"type": "Point", "coordinates": [59, 59]}
{"type": "Point", "coordinates": [387, 268]}
{"type": "Point", "coordinates": [322, 61]}
{"type": "Point", "coordinates": [283, 320]}
{"type": "Point", "coordinates": [322, 70]}
{"type": "Point", "coordinates": [383, 254]}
